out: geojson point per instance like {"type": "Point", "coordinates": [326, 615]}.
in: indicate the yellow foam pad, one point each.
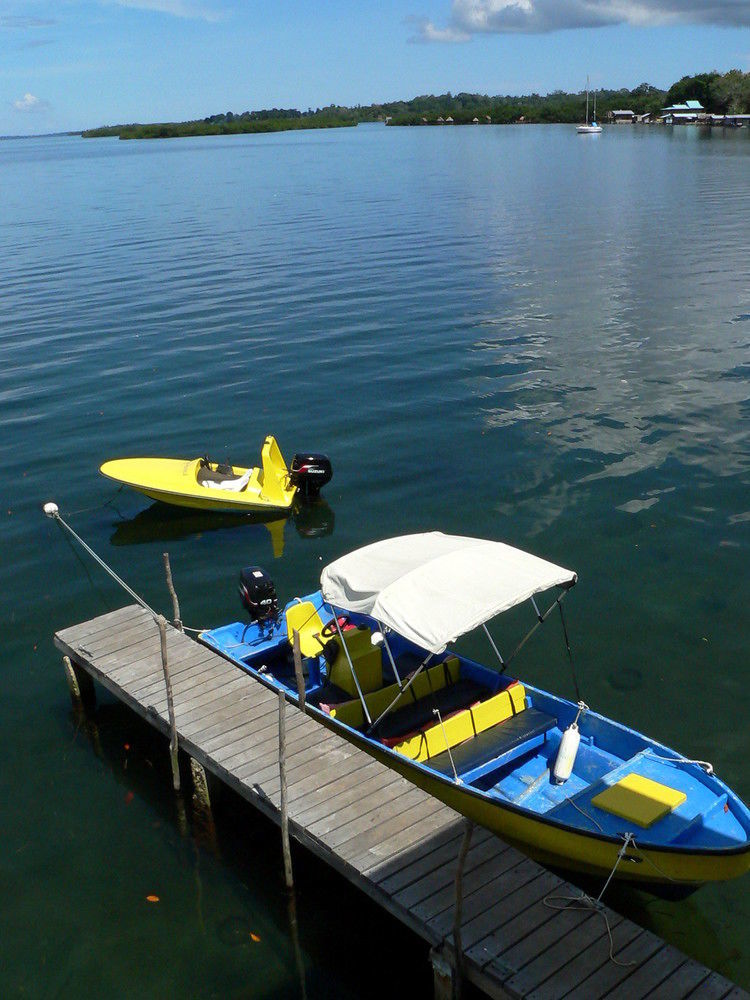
{"type": "Point", "coordinates": [464, 725]}
{"type": "Point", "coordinates": [431, 679]}
{"type": "Point", "coordinates": [639, 799]}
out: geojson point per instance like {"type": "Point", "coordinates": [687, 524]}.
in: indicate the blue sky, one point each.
{"type": "Point", "coordinates": [69, 64]}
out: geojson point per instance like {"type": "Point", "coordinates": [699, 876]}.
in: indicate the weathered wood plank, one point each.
{"type": "Point", "coordinates": [637, 951]}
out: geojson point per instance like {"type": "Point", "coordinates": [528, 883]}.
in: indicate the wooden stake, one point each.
{"type": "Point", "coordinates": [288, 877]}
{"type": "Point", "coordinates": [80, 685]}
{"type": "Point", "coordinates": [172, 593]}
{"type": "Point", "coordinates": [298, 669]}
{"type": "Point", "coordinates": [459, 957]}
{"type": "Point", "coordinates": [173, 744]}
{"type": "Point", "coordinates": [443, 978]}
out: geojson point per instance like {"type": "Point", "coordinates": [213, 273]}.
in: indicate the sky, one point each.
{"type": "Point", "coordinates": [74, 64]}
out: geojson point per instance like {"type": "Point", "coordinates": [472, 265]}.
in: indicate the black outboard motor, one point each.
{"type": "Point", "coordinates": [310, 473]}
{"type": "Point", "coordinates": [258, 595]}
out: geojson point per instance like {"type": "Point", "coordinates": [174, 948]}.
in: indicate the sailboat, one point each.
{"type": "Point", "coordinates": [589, 128]}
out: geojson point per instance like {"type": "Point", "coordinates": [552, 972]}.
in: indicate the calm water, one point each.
{"type": "Point", "coordinates": [519, 333]}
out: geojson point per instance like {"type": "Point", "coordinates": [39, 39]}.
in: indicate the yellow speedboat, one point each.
{"type": "Point", "coordinates": [208, 485]}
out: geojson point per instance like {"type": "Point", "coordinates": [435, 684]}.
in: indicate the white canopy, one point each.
{"type": "Point", "coordinates": [432, 588]}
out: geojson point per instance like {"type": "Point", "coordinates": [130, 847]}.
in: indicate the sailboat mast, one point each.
{"type": "Point", "coordinates": [587, 100]}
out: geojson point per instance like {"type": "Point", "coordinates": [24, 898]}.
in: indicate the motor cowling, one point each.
{"type": "Point", "coordinates": [310, 472]}
{"type": "Point", "coordinates": [258, 594]}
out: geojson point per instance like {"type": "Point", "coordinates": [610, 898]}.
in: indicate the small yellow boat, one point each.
{"type": "Point", "coordinates": [207, 485]}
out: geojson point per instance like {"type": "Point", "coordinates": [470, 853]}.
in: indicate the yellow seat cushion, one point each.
{"type": "Point", "coordinates": [464, 725]}
{"type": "Point", "coordinates": [431, 679]}
{"type": "Point", "coordinates": [639, 800]}
{"type": "Point", "coordinates": [367, 661]}
{"type": "Point", "coordinates": [304, 618]}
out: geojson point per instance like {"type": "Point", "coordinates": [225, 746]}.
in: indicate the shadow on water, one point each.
{"type": "Point", "coordinates": [162, 523]}
{"type": "Point", "coordinates": [309, 950]}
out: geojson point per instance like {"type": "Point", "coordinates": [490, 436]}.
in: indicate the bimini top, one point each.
{"type": "Point", "coordinates": [432, 588]}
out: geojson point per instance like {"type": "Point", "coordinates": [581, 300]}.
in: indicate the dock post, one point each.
{"type": "Point", "coordinates": [288, 877]}
{"type": "Point", "coordinates": [442, 975]}
{"type": "Point", "coordinates": [172, 593]}
{"type": "Point", "coordinates": [173, 745]}
{"type": "Point", "coordinates": [457, 946]}
{"type": "Point", "coordinates": [298, 669]}
{"type": "Point", "coordinates": [80, 685]}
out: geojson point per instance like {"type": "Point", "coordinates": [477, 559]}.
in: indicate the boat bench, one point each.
{"type": "Point", "coordinates": [497, 742]}
{"type": "Point", "coordinates": [410, 719]}
{"type": "Point", "coordinates": [433, 740]}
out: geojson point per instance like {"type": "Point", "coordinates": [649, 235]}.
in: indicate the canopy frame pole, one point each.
{"type": "Point", "coordinates": [390, 656]}
{"type": "Point", "coordinates": [540, 621]}
{"type": "Point", "coordinates": [498, 654]}
{"type": "Point", "coordinates": [403, 690]}
{"type": "Point", "coordinates": [351, 665]}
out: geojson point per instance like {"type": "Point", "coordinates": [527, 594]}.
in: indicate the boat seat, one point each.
{"type": "Point", "coordinates": [494, 742]}
{"type": "Point", "coordinates": [463, 725]}
{"type": "Point", "coordinates": [406, 721]}
{"type": "Point", "coordinates": [304, 618]}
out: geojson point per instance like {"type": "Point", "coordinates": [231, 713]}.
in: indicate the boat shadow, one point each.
{"type": "Point", "coordinates": [162, 523]}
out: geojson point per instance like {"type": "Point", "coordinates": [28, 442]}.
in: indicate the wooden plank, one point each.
{"type": "Point", "coordinates": [394, 836]}
{"type": "Point", "coordinates": [356, 820]}
{"type": "Point", "coordinates": [550, 947]}
{"type": "Point", "coordinates": [479, 878]}
{"type": "Point", "coordinates": [436, 881]}
{"type": "Point", "coordinates": [486, 934]}
{"type": "Point", "coordinates": [714, 987]}
{"type": "Point", "coordinates": [360, 786]}
{"type": "Point", "coordinates": [260, 749]}
{"type": "Point", "coordinates": [104, 623]}
{"type": "Point", "coordinates": [681, 982]}
{"type": "Point", "coordinates": [562, 980]}
{"type": "Point", "coordinates": [638, 950]}
{"type": "Point", "coordinates": [650, 975]}
{"type": "Point", "coordinates": [259, 746]}
{"type": "Point", "coordinates": [410, 866]}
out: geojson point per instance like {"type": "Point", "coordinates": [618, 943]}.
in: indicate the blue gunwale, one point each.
{"type": "Point", "coordinates": [608, 751]}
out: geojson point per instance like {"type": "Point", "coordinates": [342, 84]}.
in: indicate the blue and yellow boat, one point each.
{"type": "Point", "coordinates": [571, 788]}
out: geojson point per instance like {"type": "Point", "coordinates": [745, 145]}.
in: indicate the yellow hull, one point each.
{"type": "Point", "coordinates": [573, 850]}
{"type": "Point", "coordinates": [175, 481]}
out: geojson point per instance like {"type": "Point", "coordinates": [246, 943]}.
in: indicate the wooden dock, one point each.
{"type": "Point", "coordinates": [395, 842]}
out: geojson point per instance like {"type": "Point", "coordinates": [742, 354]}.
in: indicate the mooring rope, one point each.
{"type": "Point", "coordinates": [52, 510]}
{"type": "Point", "coordinates": [586, 902]}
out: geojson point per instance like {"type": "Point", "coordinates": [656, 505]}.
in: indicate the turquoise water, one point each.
{"type": "Point", "coordinates": [519, 333]}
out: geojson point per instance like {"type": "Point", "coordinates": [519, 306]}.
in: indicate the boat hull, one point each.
{"type": "Point", "coordinates": [174, 481]}
{"type": "Point", "coordinates": [568, 849]}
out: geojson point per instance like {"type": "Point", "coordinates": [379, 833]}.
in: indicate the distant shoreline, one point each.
{"type": "Point", "coordinates": [179, 130]}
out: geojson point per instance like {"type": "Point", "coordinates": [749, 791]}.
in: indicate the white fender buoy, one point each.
{"type": "Point", "coordinates": [566, 755]}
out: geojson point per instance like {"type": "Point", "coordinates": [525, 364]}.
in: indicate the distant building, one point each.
{"type": "Point", "coordinates": [681, 114]}
{"type": "Point", "coordinates": [619, 117]}
{"type": "Point", "coordinates": [449, 120]}
{"type": "Point", "coordinates": [441, 120]}
{"type": "Point", "coordinates": [488, 119]}
{"type": "Point", "coordinates": [475, 121]}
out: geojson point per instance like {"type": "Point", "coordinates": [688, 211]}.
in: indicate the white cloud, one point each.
{"type": "Point", "coordinates": [29, 103]}
{"type": "Point", "coordinates": [193, 9]}
{"type": "Point", "coordinates": [428, 32]}
{"type": "Point", "coordinates": [472, 17]}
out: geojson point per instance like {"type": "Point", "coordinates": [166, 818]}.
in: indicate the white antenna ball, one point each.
{"type": "Point", "coordinates": [50, 509]}
{"type": "Point", "coordinates": [377, 639]}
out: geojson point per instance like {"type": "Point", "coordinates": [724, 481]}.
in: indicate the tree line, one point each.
{"type": "Point", "coordinates": [727, 93]}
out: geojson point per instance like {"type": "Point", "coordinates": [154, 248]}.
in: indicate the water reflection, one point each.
{"type": "Point", "coordinates": [161, 523]}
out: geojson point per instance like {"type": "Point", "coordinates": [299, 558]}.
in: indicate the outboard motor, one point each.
{"type": "Point", "coordinates": [310, 473]}
{"type": "Point", "coordinates": [258, 595]}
